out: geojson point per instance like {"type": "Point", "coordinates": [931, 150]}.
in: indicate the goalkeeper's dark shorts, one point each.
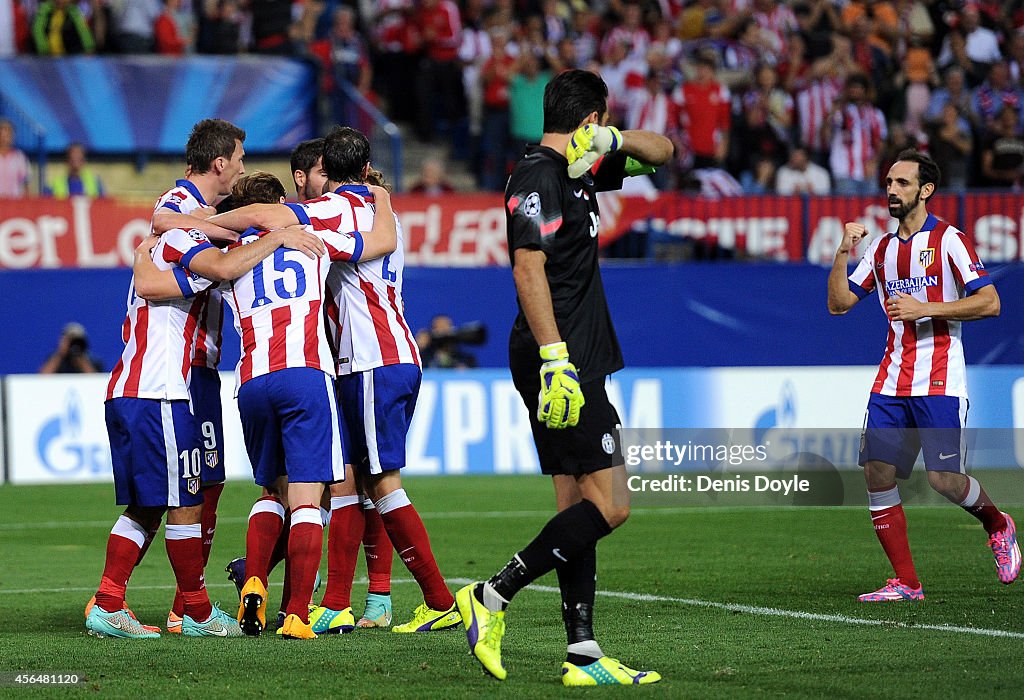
{"type": "Point", "coordinates": [589, 447]}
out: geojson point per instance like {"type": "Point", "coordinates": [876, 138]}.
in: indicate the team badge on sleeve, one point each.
{"type": "Point", "coordinates": [531, 206]}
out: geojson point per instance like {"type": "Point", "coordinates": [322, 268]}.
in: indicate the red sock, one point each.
{"type": "Point", "coordinates": [265, 521]}
{"type": "Point", "coordinates": [305, 546]}
{"type": "Point", "coordinates": [976, 502]}
{"type": "Point", "coordinates": [281, 546]}
{"type": "Point", "coordinates": [343, 538]}
{"type": "Point", "coordinates": [377, 548]}
{"type": "Point", "coordinates": [185, 550]}
{"type": "Point", "coordinates": [126, 541]}
{"type": "Point", "coordinates": [406, 531]}
{"type": "Point", "coordinates": [211, 497]}
{"type": "Point", "coordinates": [891, 529]}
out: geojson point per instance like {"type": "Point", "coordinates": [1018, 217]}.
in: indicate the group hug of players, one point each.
{"type": "Point", "coordinates": [328, 379]}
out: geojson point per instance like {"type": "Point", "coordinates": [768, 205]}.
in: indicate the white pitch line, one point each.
{"type": "Point", "coordinates": [643, 598]}
{"type": "Point", "coordinates": [440, 515]}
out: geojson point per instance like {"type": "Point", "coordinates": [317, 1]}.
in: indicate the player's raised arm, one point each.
{"type": "Point", "coordinates": [217, 266]}
{"type": "Point", "coordinates": [152, 283]}
{"type": "Point", "coordinates": [165, 219]}
{"type": "Point", "coordinates": [840, 297]}
{"type": "Point", "coordinates": [264, 217]}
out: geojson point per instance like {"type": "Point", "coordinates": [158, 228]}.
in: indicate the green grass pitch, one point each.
{"type": "Point", "coordinates": [742, 602]}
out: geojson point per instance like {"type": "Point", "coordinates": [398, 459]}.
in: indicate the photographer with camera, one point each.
{"type": "Point", "coordinates": [439, 346]}
{"type": "Point", "coordinates": [72, 354]}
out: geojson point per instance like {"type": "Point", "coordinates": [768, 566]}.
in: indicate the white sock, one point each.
{"type": "Point", "coordinates": [492, 601]}
{"type": "Point", "coordinates": [588, 648]}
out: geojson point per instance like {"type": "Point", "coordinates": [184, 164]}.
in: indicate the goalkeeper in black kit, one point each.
{"type": "Point", "coordinates": [561, 349]}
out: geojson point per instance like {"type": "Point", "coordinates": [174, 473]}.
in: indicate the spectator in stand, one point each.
{"type": "Point", "coordinates": [818, 20]}
{"type": "Point", "coordinates": [872, 60]}
{"type": "Point", "coordinates": [1002, 152]}
{"type": "Point", "coordinates": [8, 33]}
{"type": "Point", "coordinates": [344, 55]}
{"type": "Point", "coordinates": [1015, 58]}
{"type": "Point", "coordinates": [858, 131]}
{"type": "Point", "coordinates": [13, 165]}
{"type": "Point", "coordinates": [918, 76]}
{"type": "Point", "coordinates": [396, 40]}
{"type": "Point", "coordinates": [801, 176]}
{"type": "Point", "coordinates": [953, 91]}
{"type": "Point", "coordinates": [526, 100]}
{"type": "Point", "coordinates": [651, 109]}
{"type": "Point", "coordinates": [272, 27]}
{"type": "Point", "coordinates": [495, 146]}
{"type": "Point", "coordinates": [133, 23]}
{"type": "Point", "coordinates": [881, 18]}
{"type": "Point", "coordinates": [172, 35]}
{"type": "Point", "coordinates": [630, 32]}
{"type": "Point", "coordinates": [701, 19]}
{"type": "Point", "coordinates": [950, 142]}
{"type": "Point", "coordinates": [439, 95]}
{"type": "Point", "coordinates": [621, 73]}
{"type": "Point", "coordinates": [220, 27]}
{"type": "Point", "coordinates": [759, 149]}
{"type": "Point", "coordinates": [72, 354]}
{"type": "Point", "coordinates": [432, 180]}
{"type": "Point", "coordinates": [555, 17]}
{"type": "Point", "coordinates": [664, 42]}
{"type": "Point", "coordinates": [60, 29]}
{"type": "Point", "coordinates": [473, 54]}
{"type": "Point", "coordinates": [705, 118]}
{"type": "Point", "coordinates": [795, 70]}
{"type": "Point", "coordinates": [77, 179]}
{"type": "Point", "coordinates": [993, 95]}
{"type": "Point", "coordinates": [584, 35]}
{"type": "Point", "coordinates": [971, 46]}
{"type": "Point", "coordinates": [777, 102]}
{"type": "Point", "coordinates": [776, 22]}
{"type": "Point", "coordinates": [815, 101]}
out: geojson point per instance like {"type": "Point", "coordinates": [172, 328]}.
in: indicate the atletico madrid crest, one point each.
{"type": "Point", "coordinates": [927, 257]}
{"type": "Point", "coordinates": [211, 459]}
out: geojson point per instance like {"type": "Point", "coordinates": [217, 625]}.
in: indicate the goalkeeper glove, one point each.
{"type": "Point", "coordinates": [560, 397]}
{"type": "Point", "coordinates": [588, 144]}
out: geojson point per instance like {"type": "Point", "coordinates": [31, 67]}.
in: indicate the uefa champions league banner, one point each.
{"type": "Point", "coordinates": [473, 421]}
{"type": "Point", "coordinates": [468, 230]}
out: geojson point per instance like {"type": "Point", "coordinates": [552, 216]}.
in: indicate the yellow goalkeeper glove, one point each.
{"type": "Point", "coordinates": [588, 144]}
{"type": "Point", "coordinates": [560, 398]}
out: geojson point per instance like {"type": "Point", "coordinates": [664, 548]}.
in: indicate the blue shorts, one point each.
{"type": "Point", "coordinates": [897, 428]}
{"type": "Point", "coordinates": [292, 427]}
{"type": "Point", "coordinates": [155, 452]}
{"type": "Point", "coordinates": [377, 406]}
{"type": "Point", "coordinates": [205, 391]}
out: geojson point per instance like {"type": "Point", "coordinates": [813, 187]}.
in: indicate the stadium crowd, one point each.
{"type": "Point", "coordinates": [758, 96]}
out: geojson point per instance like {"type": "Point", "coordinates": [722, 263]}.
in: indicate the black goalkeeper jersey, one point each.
{"type": "Point", "coordinates": [546, 210]}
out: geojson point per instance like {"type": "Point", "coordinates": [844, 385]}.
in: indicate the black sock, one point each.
{"type": "Point", "coordinates": [564, 538]}
{"type": "Point", "coordinates": [577, 580]}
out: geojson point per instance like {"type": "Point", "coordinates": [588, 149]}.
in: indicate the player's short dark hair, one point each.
{"type": "Point", "coordinates": [256, 188]}
{"type": "Point", "coordinates": [570, 97]}
{"type": "Point", "coordinates": [927, 169]}
{"type": "Point", "coordinates": [211, 139]}
{"type": "Point", "coordinates": [346, 153]}
{"type": "Point", "coordinates": [305, 155]}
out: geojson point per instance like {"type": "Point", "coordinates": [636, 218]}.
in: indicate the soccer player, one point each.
{"type": "Point", "coordinates": [287, 399]}
{"type": "Point", "coordinates": [929, 280]}
{"type": "Point", "coordinates": [378, 382]}
{"type": "Point", "coordinates": [214, 160]}
{"type": "Point", "coordinates": [155, 442]}
{"type": "Point", "coordinates": [553, 220]}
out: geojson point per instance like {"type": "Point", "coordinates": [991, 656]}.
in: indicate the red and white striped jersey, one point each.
{"type": "Point", "coordinates": [938, 263]}
{"type": "Point", "coordinates": [159, 336]}
{"type": "Point", "coordinates": [185, 198]}
{"type": "Point", "coordinates": [857, 135]}
{"type": "Point", "coordinates": [813, 106]}
{"type": "Point", "coordinates": [279, 305]}
{"type": "Point", "coordinates": [367, 321]}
